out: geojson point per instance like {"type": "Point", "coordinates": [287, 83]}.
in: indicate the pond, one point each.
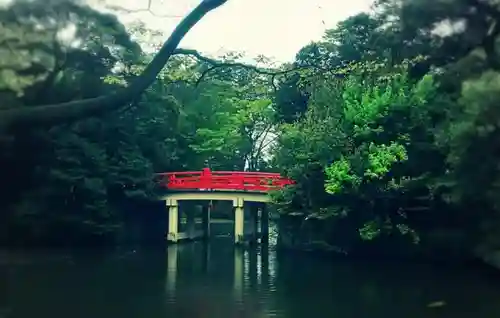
{"type": "Point", "coordinates": [216, 280]}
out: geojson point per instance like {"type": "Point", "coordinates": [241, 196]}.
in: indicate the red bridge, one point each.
{"type": "Point", "coordinates": [223, 180]}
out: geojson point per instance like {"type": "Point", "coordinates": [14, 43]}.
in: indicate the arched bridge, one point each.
{"type": "Point", "coordinates": [223, 180]}
{"type": "Point", "coordinates": [207, 186]}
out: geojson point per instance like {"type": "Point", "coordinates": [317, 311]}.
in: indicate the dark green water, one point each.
{"type": "Point", "coordinates": [217, 281]}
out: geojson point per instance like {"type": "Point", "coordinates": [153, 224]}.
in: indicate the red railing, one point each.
{"type": "Point", "coordinates": [223, 180]}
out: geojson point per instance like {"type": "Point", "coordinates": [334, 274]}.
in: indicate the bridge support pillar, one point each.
{"type": "Point", "coordinates": [254, 223]}
{"type": "Point", "coordinates": [173, 220]}
{"type": "Point", "coordinates": [206, 219]}
{"type": "Point", "coordinates": [239, 221]}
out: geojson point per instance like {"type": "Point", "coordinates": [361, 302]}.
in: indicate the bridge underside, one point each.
{"type": "Point", "coordinates": [238, 198]}
{"type": "Point", "coordinates": [216, 196]}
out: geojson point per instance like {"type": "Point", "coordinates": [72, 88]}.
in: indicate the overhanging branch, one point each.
{"type": "Point", "coordinates": [47, 115]}
{"type": "Point", "coordinates": [216, 64]}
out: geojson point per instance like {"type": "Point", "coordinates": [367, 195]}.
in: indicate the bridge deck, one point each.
{"type": "Point", "coordinates": [223, 180]}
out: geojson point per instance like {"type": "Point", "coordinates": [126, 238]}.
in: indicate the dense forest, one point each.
{"type": "Point", "coordinates": [388, 125]}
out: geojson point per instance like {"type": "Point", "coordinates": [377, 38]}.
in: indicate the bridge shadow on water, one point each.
{"type": "Point", "coordinates": [215, 280]}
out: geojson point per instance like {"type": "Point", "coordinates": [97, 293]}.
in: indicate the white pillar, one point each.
{"type": "Point", "coordinates": [173, 220]}
{"type": "Point", "coordinates": [239, 221]}
{"type": "Point", "coordinates": [255, 223]}
{"type": "Point", "coordinates": [206, 209]}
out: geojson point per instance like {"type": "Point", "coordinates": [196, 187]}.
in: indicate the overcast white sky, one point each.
{"type": "Point", "coordinates": [274, 28]}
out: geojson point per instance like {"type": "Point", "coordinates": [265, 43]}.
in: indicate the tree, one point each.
{"type": "Point", "coordinates": [233, 124]}
{"type": "Point", "coordinates": [67, 184]}
{"type": "Point", "coordinates": [59, 113]}
{"type": "Point", "coordinates": [72, 184]}
{"type": "Point", "coordinates": [399, 132]}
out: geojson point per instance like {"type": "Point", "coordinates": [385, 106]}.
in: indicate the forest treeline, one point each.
{"type": "Point", "coordinates": [388, 125]}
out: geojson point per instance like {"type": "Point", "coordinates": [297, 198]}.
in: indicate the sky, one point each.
{"type": "Point", "coordinates": [277, 29]}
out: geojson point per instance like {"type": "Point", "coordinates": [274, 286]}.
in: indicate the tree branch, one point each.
{"type": "Point", "coordinates": [267, 143]}
{"type": "Point", "coordinates": [216, 64]}
{"type": "Point", "coordinates": [263, 138]}
{"type": "Point", "coordinates": [64, 112]}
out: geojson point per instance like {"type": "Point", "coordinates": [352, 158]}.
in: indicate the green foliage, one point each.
{"type": "Point", "coordinates": [364, 154]}
{"type": "Point", "coordinates": [238, 130]}
{"type": "Point", "coordinates": [382, 125]}
{"type": "Point", "coordinates": [340, 176]}
{"type": "Point", "coordinates": [402, 128]}
{"type": "Point", "coordinates": [68, 185]}
{"type": "Point", "coordinates": [291, 99]}
{"type": "Point", "coordinates": [472, 138]}
{"type": "Point", "coordinates": [378, 163]}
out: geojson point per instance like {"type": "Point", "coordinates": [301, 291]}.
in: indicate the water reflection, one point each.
{"type": "Point", "coordinates": [215, 276]}
{"type": "Point", "coordinates": [172, 263]}
{"type": "Point", "coordinates": [218, 281]}
{"type": "Point", "coordinates": [239, 271]}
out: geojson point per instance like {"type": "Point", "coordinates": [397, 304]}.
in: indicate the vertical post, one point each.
{"type": "Point", "coordinates": [190, 223]}
{"type": "Point", "coordinates": [206, 209]}
{"type": "Point", "coordinates": [264, 223]}
{"type": "Point", "coordinates": [206, 178]}
{"type": "Point", "coordinates": [239, 221]}
{"type": "Point", "coordinates": [254, 222]}
{"type": "Point", "coordinates": [173, 220]}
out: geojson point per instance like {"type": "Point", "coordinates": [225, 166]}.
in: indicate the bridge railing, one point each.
{"type": "Point", "coordinates": [223, 180]}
